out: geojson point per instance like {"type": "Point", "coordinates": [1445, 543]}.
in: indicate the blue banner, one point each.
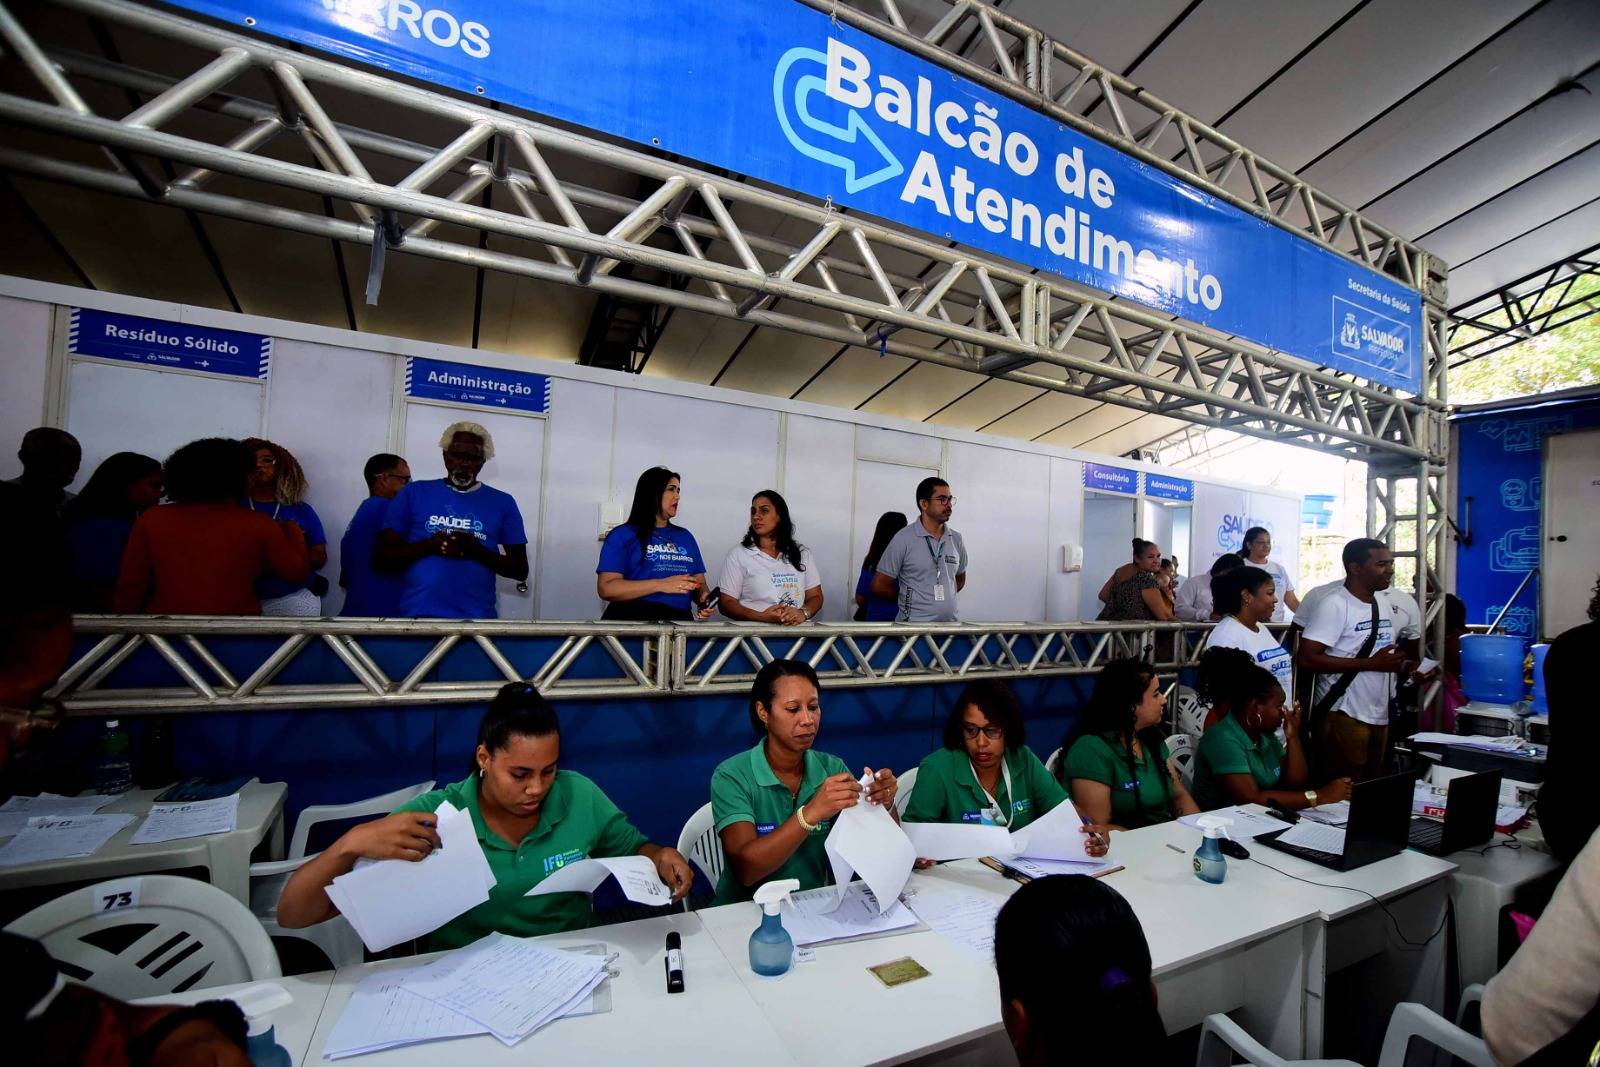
{"type": "Point", "coordinates": [1106, 479]}
{"type": "Point", "coordinates": [466, 383]}
{"type": "Point", "coordinates": [169, 345]}
{"type": "Point", "coordinates": [1165, 487]}
{"type": "Point", "coordinates": [779, 92]}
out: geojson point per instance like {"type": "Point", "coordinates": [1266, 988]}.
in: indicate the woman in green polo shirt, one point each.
{"type": "Point", "coordinates": [531, 820]}
{"type": "Point", "coordinates": [986, 773]}
{"type": "Point", "coordinates": [1240, 760]}
{"type": "Point", "coordinates": [775, 803]}
{"type": "Point", "coordinates": [1115, 764]}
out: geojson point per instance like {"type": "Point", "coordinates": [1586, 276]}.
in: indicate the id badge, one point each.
{"type": "Point", "coordinates": [938, 593]}
{"type": "Point", "coordinates": [990, 816]}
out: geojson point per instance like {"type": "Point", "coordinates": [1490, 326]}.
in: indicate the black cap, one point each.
{"type": "Point", "coordinates": [673, 940]}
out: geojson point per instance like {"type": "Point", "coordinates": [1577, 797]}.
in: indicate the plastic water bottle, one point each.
{"type": "Point", "coordinates": [261, 1045]}
{"type": "Point", "coordinates": [1210, 865]}
{"type": "Point", "coordinates": [115, 772]}
{"type": "Point", "coordinates": [771, 947]}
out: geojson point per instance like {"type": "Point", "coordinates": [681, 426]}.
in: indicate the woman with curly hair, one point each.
{"type": "Point", "coordinates": [277, 489]}
{"type": "Point", "coordinates": [769, 576]}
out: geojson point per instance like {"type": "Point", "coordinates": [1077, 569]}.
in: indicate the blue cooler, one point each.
{"type": "Point", "coordinates": [1491, 668]}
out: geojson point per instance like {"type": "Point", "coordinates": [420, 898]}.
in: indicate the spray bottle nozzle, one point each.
{"type": "Point", "coordinates": [1214, 825]}
{"type": "Point", "coordinates": [772, 894]}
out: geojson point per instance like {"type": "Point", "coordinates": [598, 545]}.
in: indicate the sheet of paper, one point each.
{"type": "Point", "coordinates": [382, 1014]}
{"type": "Point", "coordinates": [965, 918]}
{"type": "Point", "coordinates": [957, 840]}
{"type": "Point", "coordinates": [635, 874]}
{"type": "Point", "coordinates": [866, 840]}
{"type": "Point", "coordinates": [1509, 814]}
{"type": "Point", "coordinates": [1247, 824]}
{"type": "Point", "coordinates": [56, 804]}
{"type": "Point", "coordinates": [1330, 814]}
{"type": "Point", "coordinates": [510, 985]}
{"type": "Point", "coordinates": [813, 916]}
{"type": "Point", "coordinates": [1315, 836]}
{"type": "Point", "coordinates": [1056, 835]}
{"type": "Point", "coordinates": [48, 838]}
{"type": "Point", "coordinates": [1508, 743]}
{"type": "Point", "coordinates": [391, 901]}
{"type": "Point", "coordinates": [1427, 666]}
{"type": "Point", "coordinates": [12, 822]}
{"type": "Point", "coordinates": [1035, 868]}
{"type": "Point", "coordinates": [1428, 800]}
{"type": "Point", "coordinates": [195, 818]}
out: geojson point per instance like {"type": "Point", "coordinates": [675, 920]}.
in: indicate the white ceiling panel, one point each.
{"type": "Point", "coordinates": [981, 406]}
{"type": "Point", "coordinates": [1039, 416]}
{"type": "Point", "coordinates": [922, 390]}
{"type": "Point", "coordinates": [1558, 239]}
{"type": "Point", "coordinates": [1521, 209]}
{"type": "Point", "coordinates": [853, 377]}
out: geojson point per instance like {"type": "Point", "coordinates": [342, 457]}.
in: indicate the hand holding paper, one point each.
{"type": "Point", "coordinates": [635, 874]}
{"type": "Point", "coordinates": [866, 840]}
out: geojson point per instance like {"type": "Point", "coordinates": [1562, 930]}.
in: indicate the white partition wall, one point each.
{"type": "Point", "coordinates": [334, 398]}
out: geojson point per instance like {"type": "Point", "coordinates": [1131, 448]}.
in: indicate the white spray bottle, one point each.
{"type": "Point", "coordinates": [771, 947]}
{"type": "Point", "coordinates": [1210, 865]}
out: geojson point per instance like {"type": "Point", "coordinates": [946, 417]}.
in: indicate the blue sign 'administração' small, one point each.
{"type": "Point", "coordinates": [467, 383]}
{"type": "Point", "coordinates": [1165, 487]}
{"type": "Point", "coordinates": [168, 345]}
{"type": "Point", "coordinates": [1106, 479]}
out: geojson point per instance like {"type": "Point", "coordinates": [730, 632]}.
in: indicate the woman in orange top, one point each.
{"type": "Point", "coordinates": [202, 553]}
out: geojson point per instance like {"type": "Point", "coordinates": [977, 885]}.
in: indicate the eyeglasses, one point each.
{"type": "Point", "coordinates": [993, 733]}
{"type": "Point", "coordinates": [944, 500]}
{"type": "Point", "coordinates": [403, 479]}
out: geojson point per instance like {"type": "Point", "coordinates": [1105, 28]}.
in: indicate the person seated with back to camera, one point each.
{"type": "Point", "coordinates": [769, 576]}
{"type": "Point", "coordinates": [531, 819]}
{"type": "Point", "coordinates": [986, 773]}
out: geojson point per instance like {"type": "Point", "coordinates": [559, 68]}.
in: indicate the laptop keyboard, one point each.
{"type": "Point", "coordinates": [1425, 833]}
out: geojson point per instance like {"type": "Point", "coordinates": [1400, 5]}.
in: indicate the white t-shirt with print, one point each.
{"type": "Point", "coordinates": [1341, 624]}
{"type": "Point", "coordinates": [1402, 605]}
{"type": "Point", "coordinates": [1260, 644]}
{"type": "Point", "coordinates": [1281, 582]}
{"type": "Point", "coordinates": [759, 581]}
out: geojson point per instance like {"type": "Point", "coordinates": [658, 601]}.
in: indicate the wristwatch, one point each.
{"type": "Point", "coordinates": [1311, 797]}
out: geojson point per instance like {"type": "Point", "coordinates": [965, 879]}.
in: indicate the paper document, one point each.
{"type": "Point", "coordinates": [196, 818]}
{"type": "Point", "coordinates": [1336, 814]}
{"type": "Point", "coordinates": [1507, 743]}
{"type": "Point", "coordinates": [391, 901]}
{"type": "Point", "coordinates": [1507, 815]}
{"type": "Point", "coordinates": [866, 840]}
{"type": "Point", "coordinates": [965, 918]}
{"type": "Point", "coordinates": [509, 984]}
{"type": "Point", "coordinates": [635, 874]}
{"type": "Point", "coordinates": [47, 838]}
{"type": "Point", "coordinates": [1315, 836]}
{"type": "Point", "coordinates": [813, 917]}
{"type": "Point", "coordinates": [1035, 868]}
{"type": "Point", "coordinates": [56, 804]}
{"type": "Point", "coordinates": [1247, 824]}
{"type": "Point", "coordinates": [957, 840]}
{"type": "Point", "coordinates": [1056, 835]}
{"type": "Point", "coordinates": [382, 1014]}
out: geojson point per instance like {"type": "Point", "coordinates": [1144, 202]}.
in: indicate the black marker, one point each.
{"type": "Point", "coordinates": [674, 963]}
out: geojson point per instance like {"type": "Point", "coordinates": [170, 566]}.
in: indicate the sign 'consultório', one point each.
{"type": "Point", "coordinates": [777, 91]}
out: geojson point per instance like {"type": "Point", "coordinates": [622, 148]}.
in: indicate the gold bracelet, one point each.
{"type": "Point", "coordinates": [800, 813]}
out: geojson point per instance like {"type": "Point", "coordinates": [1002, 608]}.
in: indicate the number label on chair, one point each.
{"type": "Point", "coordinates": [116, 896]}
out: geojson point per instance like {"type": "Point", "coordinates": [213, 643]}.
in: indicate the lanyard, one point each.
{"type": "Point", "coordinates": [1005, 772]}
{"type": "Point", "coordinates": [935, 555]}
{"type": "Point", "coordinates": [275, 508]}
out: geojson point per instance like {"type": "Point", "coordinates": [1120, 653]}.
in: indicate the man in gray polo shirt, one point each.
{"type": "Point", "coordinates": [925, 565]}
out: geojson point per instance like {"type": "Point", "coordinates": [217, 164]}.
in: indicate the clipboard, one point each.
{"type": "Point", "coordinates": [1007, 871]}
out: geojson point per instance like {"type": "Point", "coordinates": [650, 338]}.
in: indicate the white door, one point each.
{"type": "Point", "coordinates": [517, 468]}
{"type": "Point", "coordinates": [1108, 532]}
{"type": "Point", "coordinates": [880, 487]}
{"type": "Point", "coordinates": [1571, 529]}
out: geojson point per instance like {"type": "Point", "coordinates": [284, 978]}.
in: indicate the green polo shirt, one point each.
{"type": "Point", "coordinates": [1143, 799]}
{"type": "Point", "coordinates": [946, 790]}
{"type": "Point", "coordinates": [577, 821]}
{"type": "Point", "coordinates": [744, 789]}
{"type": "Point", "coordinates": [1226, 748]}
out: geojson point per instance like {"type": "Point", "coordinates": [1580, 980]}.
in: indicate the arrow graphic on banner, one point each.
{"type": "Point", "coordinates": [866, 160]}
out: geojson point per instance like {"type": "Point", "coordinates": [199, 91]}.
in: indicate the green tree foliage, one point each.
{"type": "Point", "coordinates": [1564, 358]}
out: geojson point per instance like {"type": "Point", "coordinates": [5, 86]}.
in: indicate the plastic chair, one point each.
{"type": "Point", "coordinates": [1182, 751]}
{"type": "Point", "coordinates": [1053, 764]}
{"type": "Point", "coordinates": [1189, 713]}
{"type": "Point", "coordinates": [336, 938]}
{"type": "Point", "coordinates": [700, 843]}
{"type": "Point", "coordinates": [1221, 1038]}
{"type": "Point", "coordinates": [173, 934]}
{"type": "Point", "coordinates": [905, 783]}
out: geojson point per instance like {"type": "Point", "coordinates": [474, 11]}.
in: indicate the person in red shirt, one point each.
{"type": "Point", "coordinates": [202, 553]}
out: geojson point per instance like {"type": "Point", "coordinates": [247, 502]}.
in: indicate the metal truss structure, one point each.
{"type": "Point", "coordinates": [1532, 305]}
{"type": "Point", "coordinates": [143, 665]}
{"type": "Point", "coordinates": [964, 310]}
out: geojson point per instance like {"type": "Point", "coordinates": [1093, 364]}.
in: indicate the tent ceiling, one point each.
{"type": "Point", "coordinates": [1471, 126]}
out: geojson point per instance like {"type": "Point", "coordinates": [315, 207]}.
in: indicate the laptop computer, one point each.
{"type": "Point", "coordinates": [1469, 811]}
{"type": "Point", "coordinates": [1380, 817]}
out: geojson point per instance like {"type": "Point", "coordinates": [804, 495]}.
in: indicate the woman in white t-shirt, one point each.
{"type": "Point", "coordinates": [1257, 546]}
{"type": "Point", "coordinates": [768, 577]}
{"type": "Point", "coordinates": [1246, 598]}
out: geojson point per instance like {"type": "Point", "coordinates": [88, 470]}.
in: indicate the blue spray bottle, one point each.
{"type": "Point", "coordinates": [1210, 865]}
{"type": "Point", "coordinates": [771, 947]}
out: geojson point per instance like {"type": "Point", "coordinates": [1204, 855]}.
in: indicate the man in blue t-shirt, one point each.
{"type": "Point", "coordinates": [453, 536]}
{"type": "Point", "coordinates": [371, 593]}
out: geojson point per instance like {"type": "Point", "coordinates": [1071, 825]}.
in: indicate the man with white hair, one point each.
{"type": "Point", "coordinates": [453, 535]}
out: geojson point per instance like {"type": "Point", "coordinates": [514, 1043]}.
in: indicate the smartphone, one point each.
{"type": "Point", "coordinates": [709, 601]}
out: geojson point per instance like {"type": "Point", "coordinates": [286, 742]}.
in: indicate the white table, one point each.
{"type": "Point", "coordinates": [293, 1025]}
{"type": "Point", "coordinates": [226, 857]}
{"type": "Point", "coordinates": [1482, 886]}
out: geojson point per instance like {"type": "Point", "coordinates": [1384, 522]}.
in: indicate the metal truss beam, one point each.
{"type": "Point", "coordinates": [1026, 64]}
{"type": "Point", "coordinates": [237, 664]}
{"type": "Point", "coordinates": [977, 314]}
{"type": "Point", "coordinates": [1532, 305]}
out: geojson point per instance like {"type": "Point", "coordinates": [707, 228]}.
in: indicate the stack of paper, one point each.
{"type": "Point", "coordinates": [1505, 743]}
{"type": "Point", "coordinates": [508, 985]}
{"type": "Point", "coordinates": [1336, 814]}
{"type": "Point", "coordinates": [866, 840]}
{"type": "Point", "coordinates": [1315, 836]}
{"type": "Point", "coordinates": [1247, 824]}
{"type": "Point", "coordinates": [48, 837]}
{"type": "Point", "coordinates": [382, 1014]}
{"type": "Point", "coordinates": [1057, 835]}
{"type": "Point", "coordinates": [635, 874]}
{"type": "Point", "coordinates": [965, 918]}
{"type": "Point", "coordinates": [391, 901]}
{"type": "Point", "coordinates": [196, 818]}
{"type": "Point", "coordinates": [818, 915]}
{"type": "Point", "coordinates": [15, 812]}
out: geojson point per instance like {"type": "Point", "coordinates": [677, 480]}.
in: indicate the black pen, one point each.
{"type": "Point", "coordinates": [674, 962]}
{"type": "Point", "coordinates": [1011, 872]}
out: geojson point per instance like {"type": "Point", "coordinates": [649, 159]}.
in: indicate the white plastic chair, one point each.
{"type": "Point", "coordinates": [336, 938]}
{"type": "Point", "coordinates": [1053, 764]}
{"type": "Point", "coordinates": [1182, 750]}
{"type": "Point", "coordinates": [1189, 713]}
{"type": "Point", "coordinates": [699, 842]}
{"type": "Point", "coordinates": [1221, 1038]}
{"type": "Point", "coordinates": [905, 783]}
{"type": "Point", "coordinates": [162, 934]}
